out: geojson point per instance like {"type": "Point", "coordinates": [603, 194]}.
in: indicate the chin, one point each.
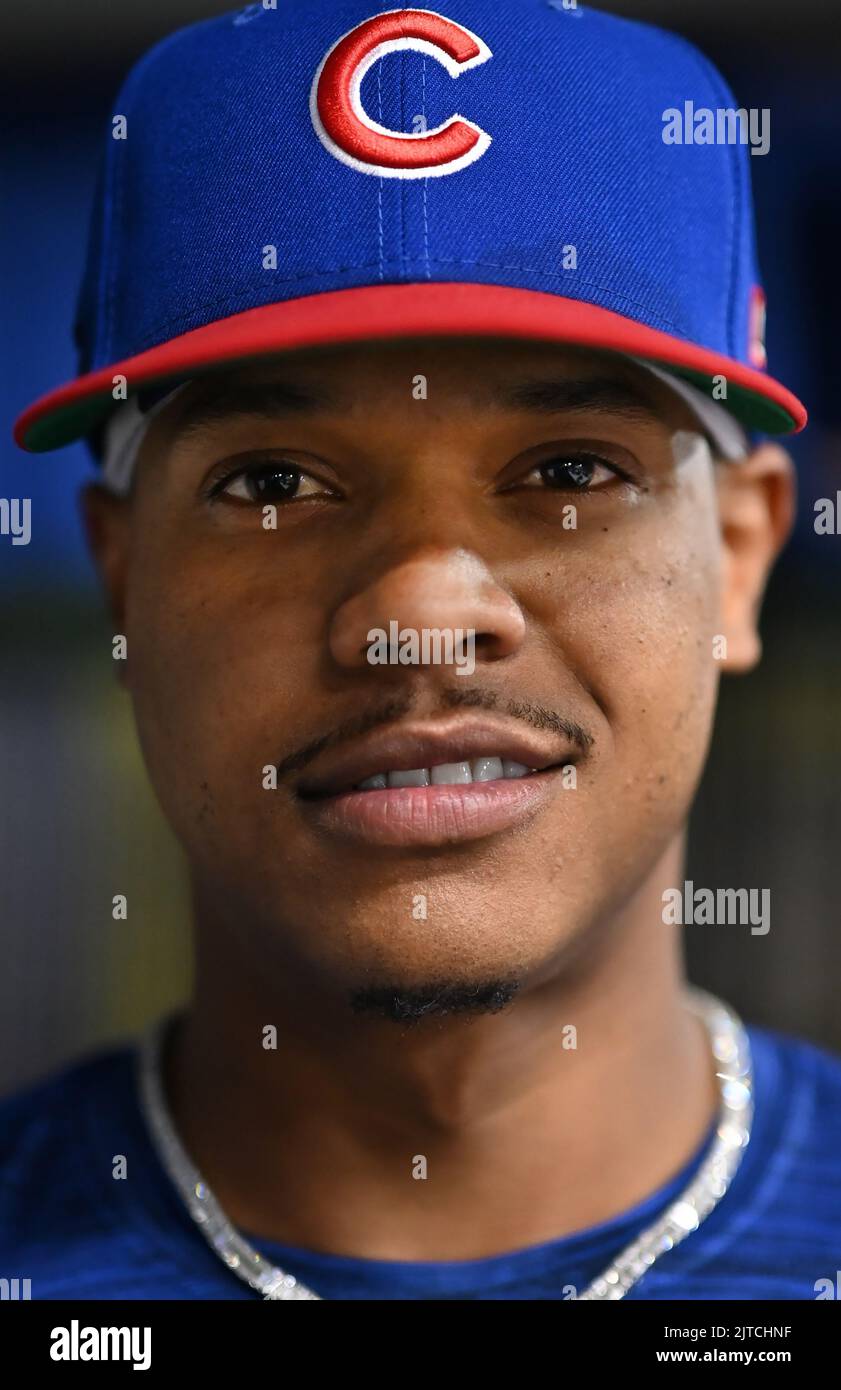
{"type": "Point", "coordinates": [434, 999]}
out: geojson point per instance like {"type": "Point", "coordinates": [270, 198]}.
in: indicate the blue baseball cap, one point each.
{"type": "Point", "coordinates": [289, 176]}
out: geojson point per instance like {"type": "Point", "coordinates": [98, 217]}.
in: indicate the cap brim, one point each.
{"type": "Point", "coordinates": [376, 312]}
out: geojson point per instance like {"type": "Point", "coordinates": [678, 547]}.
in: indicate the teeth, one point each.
{"type": "Point", "coordinates": [487, 769]}
{"type": "Point", "coordinates": [418, 777]}
{"type": "Point", "coordinates": [490, 769]}
{"type": "Point", "coordinates": [451, 774]}
{"type": "Point", "coordinates": [374, 784]}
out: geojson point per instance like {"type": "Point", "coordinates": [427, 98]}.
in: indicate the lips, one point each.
{"type": "Point", "coordinates": [443, 750]}
{"type": "Point", "coordinates": [434, 784]}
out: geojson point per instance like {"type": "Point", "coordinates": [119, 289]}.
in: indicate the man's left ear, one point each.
{"type": "Point", "coordinates": [757, 497]}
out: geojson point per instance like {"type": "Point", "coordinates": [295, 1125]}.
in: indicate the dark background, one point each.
{"type": "Point", "coordinates": [77, 820]}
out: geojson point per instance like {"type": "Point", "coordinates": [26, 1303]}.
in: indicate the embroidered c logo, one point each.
{"type": "Point", "coordinates": [347, 131]}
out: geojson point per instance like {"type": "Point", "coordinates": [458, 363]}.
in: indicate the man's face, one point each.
{"type": "Point", "coordinates": [557, 503]}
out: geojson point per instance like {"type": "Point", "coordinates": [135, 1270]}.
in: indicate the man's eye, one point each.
{"type": "Point", "coordinates": [270, 482]}
{"type": "Point", "coordinates": [573, 472]}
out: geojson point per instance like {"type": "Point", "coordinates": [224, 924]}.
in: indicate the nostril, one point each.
{"type": "Point", "coordinates": [448, 593]}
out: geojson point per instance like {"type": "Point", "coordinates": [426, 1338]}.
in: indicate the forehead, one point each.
{"type": "Point", "coordinates": [473, 374]}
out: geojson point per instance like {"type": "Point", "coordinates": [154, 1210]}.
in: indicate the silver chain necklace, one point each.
{"type": "Point", "coordinates": [731, 1052]}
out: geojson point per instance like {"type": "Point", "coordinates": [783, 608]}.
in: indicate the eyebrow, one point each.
{"type": "Point", "coordinates": [542, 395]}
{"type": "Point", "coordinates": [267, 400]}
{"type": "Point", "coordinates": [556, 395]}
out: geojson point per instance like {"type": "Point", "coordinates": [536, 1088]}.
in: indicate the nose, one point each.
{"type": "Point", "coordinates": [436, 588]}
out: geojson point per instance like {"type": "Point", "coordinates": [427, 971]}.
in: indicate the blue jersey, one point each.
{"type": "Point", "coordinates": [75, 1232]}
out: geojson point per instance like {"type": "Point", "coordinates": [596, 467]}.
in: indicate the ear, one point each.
{"type": "Point", "coordinates": [106, 519]}
{"type": "Point", "coordinates": [756, 509]}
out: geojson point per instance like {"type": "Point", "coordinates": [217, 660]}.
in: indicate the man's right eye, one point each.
{"type": "Point", "coordinates": [268, 483]}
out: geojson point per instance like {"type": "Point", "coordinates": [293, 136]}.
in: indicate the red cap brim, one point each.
{"type": "Point", "coordinates": [376, 312]}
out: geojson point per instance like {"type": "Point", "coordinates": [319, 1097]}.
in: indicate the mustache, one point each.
{"type": "Point", "coordinates": [536, 716]}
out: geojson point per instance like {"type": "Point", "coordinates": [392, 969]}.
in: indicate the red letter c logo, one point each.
{"type": "Point", "coordinates": [345, 129]}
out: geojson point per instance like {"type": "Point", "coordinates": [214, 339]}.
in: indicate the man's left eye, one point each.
{"type": "Point", "coordinates": [272, 482]}
{"type": "Point", "coordinates": [574, 472]}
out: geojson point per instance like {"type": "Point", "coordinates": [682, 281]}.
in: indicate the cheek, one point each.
{"type": "Point", "coordinates": [221, 644]}
{"type": "Point", "coordinates": [636, 620]}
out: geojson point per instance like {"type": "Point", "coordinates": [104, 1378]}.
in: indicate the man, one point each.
{"type": "Point", "coordinates": [365, 375]}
